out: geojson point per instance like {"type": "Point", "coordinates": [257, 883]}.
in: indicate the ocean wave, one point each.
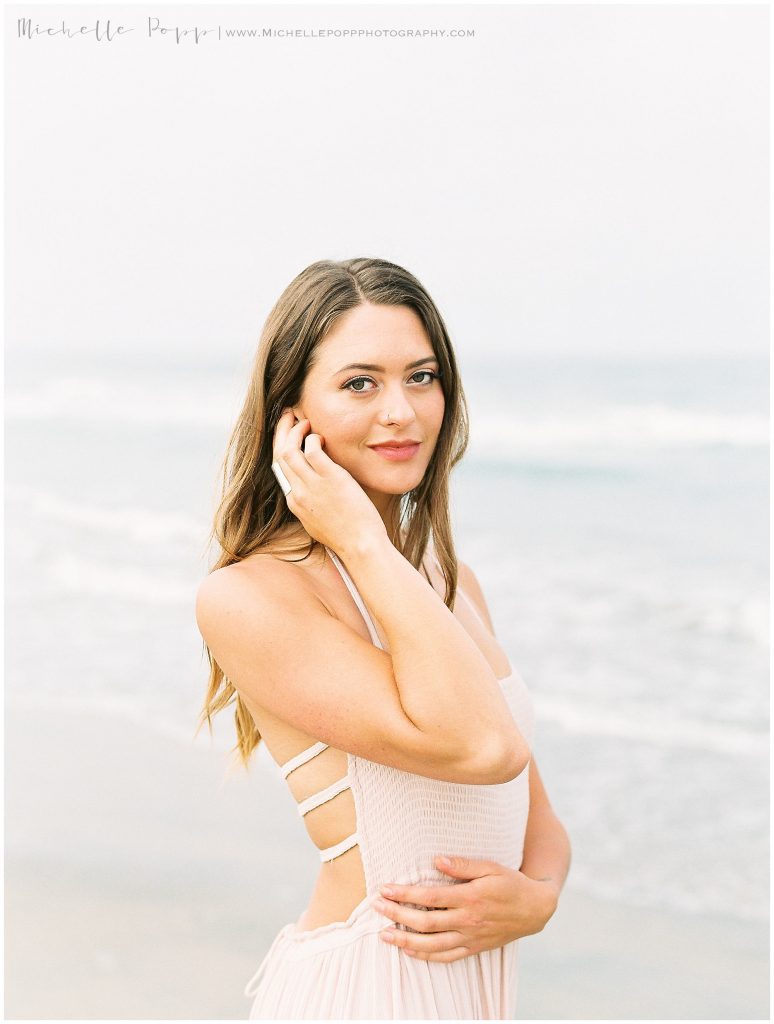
{"type": "Point", "coordinates": [634, 425]}
{"type": "Point", "coordinates": [683, 607]}
{"type": "Point", "coordinates": [670, 894]}
{"type": "Point", "coordinates": [644, 725]}
{"type": "Point", "coordinates": [133, 522]}
{"type": "Point", "coordinates": [148, 403]}
{"type": "Point", "coordinates": [72, 574]}
{"type": "Point", "coordinates": [689, 605]}
{"type": "Point", "coordinates": [726, 615]}
{"type": "Point", "coordinates": [216, 401]}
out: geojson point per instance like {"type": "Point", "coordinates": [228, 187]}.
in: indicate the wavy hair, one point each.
{"type": "Point", "coordinates": [252, 512]}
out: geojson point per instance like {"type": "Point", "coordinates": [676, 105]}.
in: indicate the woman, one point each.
{"type": "Point", "coordinates": [402, 731]}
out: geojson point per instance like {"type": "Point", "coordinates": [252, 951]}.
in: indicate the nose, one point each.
{"type": "Point", "coordinates": [396, 405]}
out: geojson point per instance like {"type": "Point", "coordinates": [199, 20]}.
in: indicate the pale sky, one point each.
{"type": "Point", "coordinates": [571, 179]}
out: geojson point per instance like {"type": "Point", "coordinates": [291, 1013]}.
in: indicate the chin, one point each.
{"type": "Point", "coordinates": [408, 482]}
{"type": "Point", "coordinates": [394, 479]}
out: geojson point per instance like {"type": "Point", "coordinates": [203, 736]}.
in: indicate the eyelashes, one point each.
{"type": "Point", "coordinates": [359, 391]}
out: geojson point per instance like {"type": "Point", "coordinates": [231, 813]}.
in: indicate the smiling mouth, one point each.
{"type": "Point", "coordinates": [396, 453]}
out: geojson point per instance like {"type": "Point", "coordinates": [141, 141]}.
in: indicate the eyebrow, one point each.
{"type": "Point", "coordinates": [372, 366]}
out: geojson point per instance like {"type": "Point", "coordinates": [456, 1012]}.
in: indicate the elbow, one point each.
{"type": "Point", "coordinates": [513, 757]}
{"type": "Point", "coordinates": [493, 762]}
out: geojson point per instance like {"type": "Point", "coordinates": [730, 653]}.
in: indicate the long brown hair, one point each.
{"type": "Point", "coordinates": [252, 510]}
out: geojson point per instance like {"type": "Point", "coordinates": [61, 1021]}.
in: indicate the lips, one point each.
{"type": "Point", "coordinates": [396, 451]}
{"type": "Point", "coordinates": [395, 444]}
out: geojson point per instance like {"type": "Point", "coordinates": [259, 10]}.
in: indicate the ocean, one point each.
{"type": "Point", "coordinates": [615, 511]}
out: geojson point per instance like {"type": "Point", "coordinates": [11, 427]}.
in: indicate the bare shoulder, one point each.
{"type": "Point", "coordinates": [469, 582]}
{"type": "Point", "coordinates": [252, 583]}
{"type": "Point", "coordinates": [269, 630]}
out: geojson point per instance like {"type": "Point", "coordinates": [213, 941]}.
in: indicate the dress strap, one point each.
{"type": "Point", "coordinates": [302, 758]}
{"type": "Point", "coordinates": [339, 848]}
{"type": "Point", "coordinates": [316, 799]}
{"type": "Point", "coordinates": [356, 597]}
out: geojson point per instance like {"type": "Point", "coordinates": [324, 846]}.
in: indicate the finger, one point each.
{"type": "Point", "coordinates": [292, 455]}
{"type": "Point", "coordinates": [422, 945]}
{"type": "Point", "coordinates": [467, 867]}
{"type": "Point", "coordinates": [284, 425]}
{"type": "Point", "coordinates": [312, 446]}
{"type": "Point", "coordinates": [288, 433]}
{"type": "Point", "coordinates": [421, 920]}
{"type": "Point", "coordinates": [436, 896]}
{"type": "Point", "coordinates": [445, 956]}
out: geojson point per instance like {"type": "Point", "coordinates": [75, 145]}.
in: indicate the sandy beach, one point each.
{"type": "Point", "coordinates": [143, 882]}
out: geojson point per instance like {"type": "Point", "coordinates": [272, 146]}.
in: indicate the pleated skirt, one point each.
{"type": "Point", "coordinates": [344, 971]}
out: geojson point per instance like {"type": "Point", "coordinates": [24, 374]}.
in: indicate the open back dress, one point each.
{"type": "Point", "coordinates": [343, 970]}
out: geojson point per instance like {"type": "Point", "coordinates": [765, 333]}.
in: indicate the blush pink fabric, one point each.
{"type": "Point", "coordinates": [343, 970]}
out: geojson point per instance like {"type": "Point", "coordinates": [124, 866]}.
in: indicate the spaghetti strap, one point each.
{"type": "Point", "coordinates": [356, 597]}
{"type": "Point", "coordinates": [316, 799]}
{"type": "Point", "coordinates": [302, 758]}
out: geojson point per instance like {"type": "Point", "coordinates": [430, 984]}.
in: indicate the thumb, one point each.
{"type": "Point", "coordinates": [464, 867]}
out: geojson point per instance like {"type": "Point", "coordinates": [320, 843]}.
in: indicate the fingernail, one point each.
{"type": "Point", "coordinates": [445, 861]}
{"type": "Point", "coordinates": [387, 891]}
{"type": "Point", "coordinates": [387, 936]}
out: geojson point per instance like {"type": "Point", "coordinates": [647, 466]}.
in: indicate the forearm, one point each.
{"type": "Point", "coordinates": [547, 851]}
{"type": "Point", "coordinates": [447, 688]}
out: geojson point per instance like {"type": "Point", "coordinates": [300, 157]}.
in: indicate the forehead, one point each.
{"type": "Point", "coordinates": [393, 333]}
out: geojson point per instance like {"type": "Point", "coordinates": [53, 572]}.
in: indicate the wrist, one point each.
{"type": "Point", "coordinates": [365, 546]}
{"type": "Point", "coordinates": [550, 890]}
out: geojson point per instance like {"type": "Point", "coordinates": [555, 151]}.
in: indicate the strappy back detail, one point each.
{"type": "Point", "coordinates": [342, 968]}
{"type": "Point", "coordinates": [342, 784]}
{"type": "Point", "coordinates": [321, 797]}
{"type": "Point", "coordinates": [302, 758]}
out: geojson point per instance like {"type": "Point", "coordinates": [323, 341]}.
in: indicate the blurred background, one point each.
{"type": "Point", "coordinates": [584, 192]}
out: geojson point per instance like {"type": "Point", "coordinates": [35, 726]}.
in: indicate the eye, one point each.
{"type": "Point", "coordinates": [355, 380]}
{"type": "Point", "coordinates": [350, 384]}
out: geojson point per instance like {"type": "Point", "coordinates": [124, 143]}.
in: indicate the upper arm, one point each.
{"type": "Point", "coordinates": [277, 643]}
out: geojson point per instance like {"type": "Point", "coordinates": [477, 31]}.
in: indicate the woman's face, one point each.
{"type": "Point", "coordinates": [396, 398]}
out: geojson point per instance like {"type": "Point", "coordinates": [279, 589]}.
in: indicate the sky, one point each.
{"type": "Point", "coordinates": [573, 179]}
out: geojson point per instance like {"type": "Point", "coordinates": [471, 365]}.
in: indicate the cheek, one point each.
{"type": "Point", "coordinates": [438, 411]}
{"type": "Point", "coordinates": [343, 430]}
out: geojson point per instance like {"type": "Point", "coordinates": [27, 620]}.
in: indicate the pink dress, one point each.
{"type": "Point", "coordinates": [343, 970]}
